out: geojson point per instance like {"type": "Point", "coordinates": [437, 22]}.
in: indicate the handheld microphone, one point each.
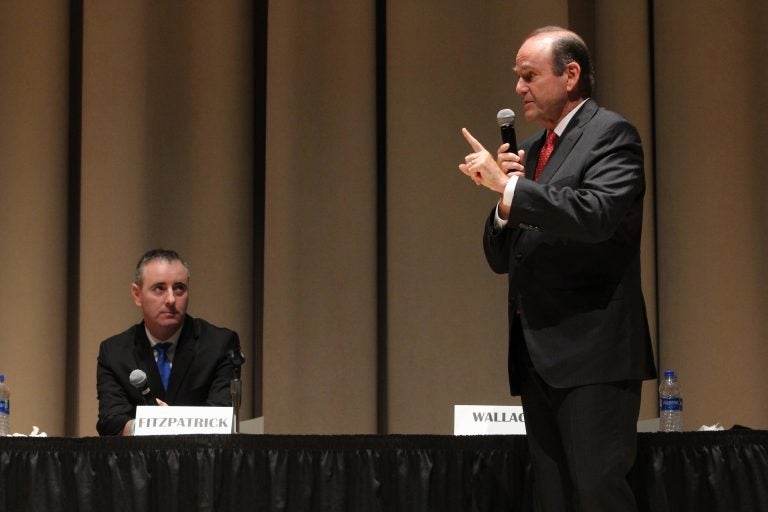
{"type": "Point", "coordinates": [506, 120]}
{"type": "Point", "coordinates": [139, 380]}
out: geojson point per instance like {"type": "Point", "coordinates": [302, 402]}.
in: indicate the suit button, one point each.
{"type": "Point", "coordinates": [518, 257]}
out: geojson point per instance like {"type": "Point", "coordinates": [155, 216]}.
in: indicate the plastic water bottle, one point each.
{"type": "Point", "coordinates": [5, 407]}
{"type": "Point", "coordinates": [670, 404]}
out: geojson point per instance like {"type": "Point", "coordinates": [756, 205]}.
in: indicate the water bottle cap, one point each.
{"type": "Point", "coordinates": [669, 373]}
{"type": "Point", "coordinates": [2, 377]}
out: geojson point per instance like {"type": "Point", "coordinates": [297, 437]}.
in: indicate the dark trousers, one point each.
{"type": "Point", "coordinates": [582, 440]}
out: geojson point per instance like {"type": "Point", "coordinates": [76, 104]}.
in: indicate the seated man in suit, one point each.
{"type": "Point", "coordinates": [187, 360]}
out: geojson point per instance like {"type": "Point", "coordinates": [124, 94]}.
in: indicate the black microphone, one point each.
{"type": "Point", "coordinates": [237, 359]}
{"type": "Point", "coordinates": [506, 120]}
{"type": "Point", "coordinates": [139, 380]}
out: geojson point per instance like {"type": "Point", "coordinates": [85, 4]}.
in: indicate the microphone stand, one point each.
{"type": "Point", "coordinates": [235, 387]}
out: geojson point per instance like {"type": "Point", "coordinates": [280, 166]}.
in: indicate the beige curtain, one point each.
{"type": "Point", "coordinates": [320, 236]}
{"type": "Point", "coordinates": [711, 114]}
{"type": "Point", "coordinates": [33, 213]}
{"type": "Point", "coordinates": [449, 64]}
{"type": "Point", "coordinates": [162, 151]}
{"type": "Point", "coordinates": [166, 160]}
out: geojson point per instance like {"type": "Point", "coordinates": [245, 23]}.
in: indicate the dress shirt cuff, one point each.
{"type": "Point", "coordinates": [506, 199]}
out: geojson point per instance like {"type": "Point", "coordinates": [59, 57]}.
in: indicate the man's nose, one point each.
{"type": "Point", "coordinates": [520, 87]}
{"type": "Point", "coordinates": [170, 297]}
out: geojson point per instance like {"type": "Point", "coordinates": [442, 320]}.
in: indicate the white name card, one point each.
{"type": "Point", "coordinates": [174, 420]}
{"type": "Point", "coordinates": [473, 420]}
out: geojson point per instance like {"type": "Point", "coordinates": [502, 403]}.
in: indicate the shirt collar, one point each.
{"type": "Point", "coordinates": [172, 340]}
{"type": "Point", "coordinates": [560, 128]}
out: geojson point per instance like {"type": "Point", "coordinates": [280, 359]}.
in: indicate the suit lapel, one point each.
{"type": "Point", "coordinates": [145, 359]}
{"type": "Point", "coordinates": [535, 150]}
{"type": "Point", "coordinates": [562, 148]}
{"type": "Point", "coordinates": [566, 143]}
{"type": "Point", "coordinates": [182, 358]}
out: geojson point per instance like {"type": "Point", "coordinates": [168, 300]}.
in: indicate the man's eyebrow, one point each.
{"type": "Point", "coordinates": [523, 67]}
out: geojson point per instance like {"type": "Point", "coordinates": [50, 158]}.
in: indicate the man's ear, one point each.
{"type": "Point", "coordinates": [136, 294]}
{"type": "Point", "coordinates": [572, 73]}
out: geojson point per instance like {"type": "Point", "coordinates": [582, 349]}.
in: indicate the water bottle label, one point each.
{"type": "Point", "coordinates": [671, 404]}
{"type": "Point", "coordinates": [5, 407]}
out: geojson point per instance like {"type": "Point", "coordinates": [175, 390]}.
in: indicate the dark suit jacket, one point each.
{"type": "Point", "coordinates": [200, 375]}
{"type": "Point", "coordinates": [572, 252]}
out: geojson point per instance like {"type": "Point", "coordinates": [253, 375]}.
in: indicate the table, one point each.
{"type": "Point", "coordinates": [692, 471]}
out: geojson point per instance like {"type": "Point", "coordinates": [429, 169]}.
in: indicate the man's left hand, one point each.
{"type": "Point", "coordinates": [481, 167]}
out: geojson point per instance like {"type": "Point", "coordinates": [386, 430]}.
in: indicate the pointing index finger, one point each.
{"type": "Point", "coordinates": [476, 146]}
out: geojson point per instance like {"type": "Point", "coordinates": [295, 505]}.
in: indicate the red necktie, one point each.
{"type": "Point", "coordinates": [546, 152]}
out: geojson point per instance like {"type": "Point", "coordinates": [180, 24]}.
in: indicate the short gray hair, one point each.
{"type": "Point", "coordinates": [157, 254]}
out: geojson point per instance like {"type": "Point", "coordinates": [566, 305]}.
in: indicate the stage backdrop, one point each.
{"type": "Point", "coordinates": [303, 157]}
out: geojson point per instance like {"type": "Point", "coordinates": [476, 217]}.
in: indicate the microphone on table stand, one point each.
{"type": "Point", "coordinates": [237, 359]}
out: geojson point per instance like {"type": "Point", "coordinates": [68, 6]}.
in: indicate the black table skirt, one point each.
{"type": "Point", "coordinates": [694, 471]}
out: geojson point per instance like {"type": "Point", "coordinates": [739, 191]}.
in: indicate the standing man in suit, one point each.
{"type": "Point", "coordinates": [187, 360]}
{"type": "Point", "coordinates": [566, 230]}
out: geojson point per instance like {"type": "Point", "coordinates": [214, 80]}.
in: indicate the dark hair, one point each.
{"type": "Point", "coordinates": [569, 47]}
{"type": "Point", "coordinates": [157, 254]}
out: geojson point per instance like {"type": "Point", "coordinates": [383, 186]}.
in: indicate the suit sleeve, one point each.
{"type": "Point", "coordinates": [219, 393]}
{"type": "Point", "coordinates": [496, 245]}
{"type": "Point", "coordinates": [592, 193]}
{"type": "Point", "coordinates": [115, 407]}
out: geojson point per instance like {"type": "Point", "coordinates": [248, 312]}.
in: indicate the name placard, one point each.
{"type": "Point", "coordinates": [175, 420]}
{"type": "Point", "coordinates": [473, 420]}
